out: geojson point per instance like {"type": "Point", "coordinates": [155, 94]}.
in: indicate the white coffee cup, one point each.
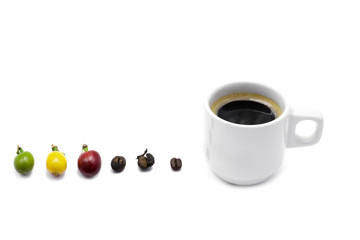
{"type": "Point", "coordinates": [249, 154]}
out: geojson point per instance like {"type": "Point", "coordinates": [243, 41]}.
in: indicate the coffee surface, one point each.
{"type": "Point", "coordinates": [246, 108]}
{"type": "Point", "coordinates": [246, 112]}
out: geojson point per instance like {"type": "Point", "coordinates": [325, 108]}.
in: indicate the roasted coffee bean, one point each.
{"type": "Point", "coordinates": [176, 164]}
{"type": "Point", "coordinates": [118, 163]}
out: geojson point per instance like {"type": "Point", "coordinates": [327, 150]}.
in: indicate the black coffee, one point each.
{"type": "Point", "coordinates": [246, 112]}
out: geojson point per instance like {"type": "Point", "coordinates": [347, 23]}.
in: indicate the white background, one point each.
{"type": "Point", "coordinates": [127, 76]}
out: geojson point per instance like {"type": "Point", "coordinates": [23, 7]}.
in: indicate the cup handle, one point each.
{"type": "Point", "coordinates": [298, 115]}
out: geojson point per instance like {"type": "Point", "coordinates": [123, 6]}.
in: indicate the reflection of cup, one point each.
{"type": "Point", "coordinates": [249, 154]}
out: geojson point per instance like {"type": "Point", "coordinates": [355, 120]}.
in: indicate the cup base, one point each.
{"type": "Point", "coordinates": [241, 182]}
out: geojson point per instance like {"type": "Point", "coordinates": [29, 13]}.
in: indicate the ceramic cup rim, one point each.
{"type": "Point", "coordinates": [280, 101]}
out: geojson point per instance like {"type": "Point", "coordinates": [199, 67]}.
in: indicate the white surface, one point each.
{"type": "Point", "coordinates": [123, 77]}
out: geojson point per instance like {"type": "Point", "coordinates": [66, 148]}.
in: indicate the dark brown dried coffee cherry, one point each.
{"type": "Point", "coordinates": [150, 159]}
{"type": "Point", "coordinates": [176, 164]}
{"type": "Point", "coordinates": [118, 163]}
{"type": "Point", "coordinates": [146, 160]}
{"type": "Point", "coordinates": [142, 162]}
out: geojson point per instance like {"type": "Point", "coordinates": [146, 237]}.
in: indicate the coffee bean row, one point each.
{"type": "Point", "coordinates": [89, 162]}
